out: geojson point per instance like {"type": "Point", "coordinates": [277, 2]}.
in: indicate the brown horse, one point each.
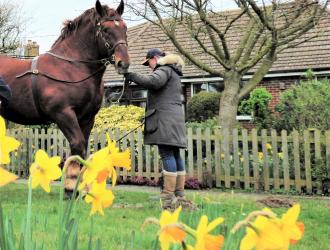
{"type": "Point", "coordinates": [64, 85]}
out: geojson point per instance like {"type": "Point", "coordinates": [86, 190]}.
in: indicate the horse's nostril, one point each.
{"type": "Point", "coordinates": [120, 64]}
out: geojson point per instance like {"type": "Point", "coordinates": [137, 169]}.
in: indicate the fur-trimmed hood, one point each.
{"type": "Point", "coordinates": [172, 60]}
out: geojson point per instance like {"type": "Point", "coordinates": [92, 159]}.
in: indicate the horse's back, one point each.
{"type": "Point", "coordinates": [21, 108]}
{"type": "Point", "coordinates": [12, 67]}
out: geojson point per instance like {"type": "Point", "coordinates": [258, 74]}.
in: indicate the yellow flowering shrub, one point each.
{"type": "Point", "coordinates": [121, 117]}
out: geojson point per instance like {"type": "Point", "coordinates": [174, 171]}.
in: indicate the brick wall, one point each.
{"type": "Point", "coordinates": [276, 87]}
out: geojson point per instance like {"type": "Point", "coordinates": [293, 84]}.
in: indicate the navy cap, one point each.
{"type": "Point", "coordinates": [151, 54]}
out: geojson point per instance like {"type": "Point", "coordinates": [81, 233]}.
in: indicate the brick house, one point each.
{"type": "Point", "coordinates": [288, 70]}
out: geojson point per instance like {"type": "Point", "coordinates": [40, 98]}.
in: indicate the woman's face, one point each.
{"type": "Point", "coordinates": [153, 62]}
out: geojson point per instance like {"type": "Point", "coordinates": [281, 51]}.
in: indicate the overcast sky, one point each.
{"type": "Point", "coordinates": [44, 18]}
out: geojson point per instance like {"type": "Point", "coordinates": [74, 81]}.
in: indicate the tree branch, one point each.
{"type": "Point", "coordinates": [259, 74]}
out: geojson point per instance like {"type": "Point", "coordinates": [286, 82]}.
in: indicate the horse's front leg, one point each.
{"type": "Point", "coordinates": [86, 128]}
{"type": "Point", "coordinates": [68, 124]}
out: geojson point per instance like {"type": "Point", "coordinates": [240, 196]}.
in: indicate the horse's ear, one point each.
{"type": "Point", "coordinates": [120, 8]}
{"type": "Point", "coordinates": [99, 8]}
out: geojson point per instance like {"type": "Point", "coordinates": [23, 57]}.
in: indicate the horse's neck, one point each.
{"type": "Point", "coordinates": [79, 46]}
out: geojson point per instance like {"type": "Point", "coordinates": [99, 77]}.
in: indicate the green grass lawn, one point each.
{"type": "Point", "coordinates": [120, 228]}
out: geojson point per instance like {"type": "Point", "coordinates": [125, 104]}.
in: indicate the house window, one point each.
{"type": "Point", "coordinates": [131, 96]}
{"type": "Point", "coordinates": [205, 86]}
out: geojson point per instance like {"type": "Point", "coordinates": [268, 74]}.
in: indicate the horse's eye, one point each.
{"type": "Point", "coordinates": [106, 30]}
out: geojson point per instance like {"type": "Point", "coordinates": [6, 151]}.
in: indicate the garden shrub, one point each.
{"type": "Point", "coordinates": [305, 106]}
{"type": "Point", "coordinates": [209, 123]}
{"type": "Point", "coordinates": [121, 117]}
{"type": "Point", "coordinates": [203, 106]}
{"type": "Point", "coordinates": [257, 105]}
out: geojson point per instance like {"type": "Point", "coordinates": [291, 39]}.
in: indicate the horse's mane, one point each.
{"type": "Point", "coordinates": [70, 26]}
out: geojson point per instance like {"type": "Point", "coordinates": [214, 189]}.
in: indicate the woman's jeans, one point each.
{"type": "Point", "coordinates": [172, 162]}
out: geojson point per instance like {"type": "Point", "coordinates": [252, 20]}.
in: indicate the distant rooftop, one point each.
{"type": "Point", "coordinates": [313, 54]}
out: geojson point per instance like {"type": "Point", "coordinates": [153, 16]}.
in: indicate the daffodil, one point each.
{"type": "Point", "coordinates": [291, 229]}
{"type": "Point", "coordinates": [263, 234]}
{"type": "Point", "coordinates": [100, 197]}
{"type": "Point", "coordinates": [7, 144]}
{"type": "Point", "coordinates": [260, 156]}
{"type": "Point", "coordinates": [44, 170]}
{"type": "Point", "coordinates": [114, 159]}
{"type": "Point", "coordinates": [268, 146]}
{"type": "Point", "coordinates": [170, 234]}
{"type": "Point", "coordinates": [206, 241]}
{"type": "Point", "coordinates": [6, 177]}
{"type": "Point", "coordinates": [96, 164]}
{"type": "Point", "coordinates": [103, 162]}
{"type": "Point", "coordinates": [301, 227]}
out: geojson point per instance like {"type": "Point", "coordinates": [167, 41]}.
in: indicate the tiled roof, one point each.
{"type": "Point", "coordinates": [314, 54]}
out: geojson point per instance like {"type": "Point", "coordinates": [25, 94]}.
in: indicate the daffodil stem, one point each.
{"type": "Point", "coordinates": [27, 233]}
{"type": "Point", "coordinates": [150, 220]}
{"type": "Point", "coordinates": [189, 230]}
{"type": "Point", "coordinates": [74, 158]}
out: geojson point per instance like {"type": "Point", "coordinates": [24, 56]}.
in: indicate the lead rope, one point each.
{"type": "Point", "coordinates": [121, 92]}
{"type": "Point", "coordinates": [142, 123]}
{"type": "Point", "coordinates": [126, 83]}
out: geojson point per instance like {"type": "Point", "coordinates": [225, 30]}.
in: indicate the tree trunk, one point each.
{"type": "Point", "coordinates": [229, 100]}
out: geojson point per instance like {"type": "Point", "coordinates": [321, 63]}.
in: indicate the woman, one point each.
{"type": "Point", "coordinates": [165, 121]}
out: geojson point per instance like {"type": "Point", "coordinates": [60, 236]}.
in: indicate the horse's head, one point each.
{"type": "Point", "coordinates": [111, 35]}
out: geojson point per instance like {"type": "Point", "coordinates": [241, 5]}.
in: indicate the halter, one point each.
{"type": "Point", "coordinates": [99, 32]}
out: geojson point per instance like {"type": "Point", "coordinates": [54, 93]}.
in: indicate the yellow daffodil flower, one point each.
{"type": "Point", "coordinates": [206, 241]}
{"type": "Point", "coordinates": [263, 234]}
{"type": "Point", "coordinates": [7, 144]}
{"type": "Point", "coordinates": [268, 146]}
{"type": "Point", "coordinates": [44, 170]}
{"type": "Point", "coordinates": [291, 229]}
{"type": "Point", "coordinates": [100, 197]}
{"type": "Point", "coordinates": [103, 162]}
{"type": "Point", "coordinates": [260, 156]}
{"type": "Point", "coordinates": [6, 177]}
{"type": "Point", "coordinates": [301, 227]}
{"type": "Point", "coordinates": [96, 164]}
{"type": "Point", "coordinates": [170, 235]}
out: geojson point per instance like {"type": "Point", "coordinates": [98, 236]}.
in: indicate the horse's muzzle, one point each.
{"type": "Point", "coordinates": [122, 67]}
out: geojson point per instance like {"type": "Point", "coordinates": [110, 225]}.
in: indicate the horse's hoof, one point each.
{"type": "Point", "coordinates": [68, 195]}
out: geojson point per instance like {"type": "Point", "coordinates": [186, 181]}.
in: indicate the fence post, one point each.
{"type": "Point", "coordinates": [255, 158]}
{"type": "Point", "coordinates": [327, 149]}
{"type": "Point", "coordinates": [199, 155]}
{"type": "Point", "coordinates": [236, 159]}
{"type": "Point", "coordinates": [276, 167]}
{"type": "Point", "coordinates": [190, 153]}
{"type": "Point", "coordinates": [208, 155]}
{"type": "Point", "coordinates": [217, 158]}
{"type": "Point", "coordinates": [286, 173]}
{"type": "Point", "coordinates": [246, 159]}
{"type": "Point", "coordinates": [226, 152]}
{"type": "Point", "coordinates": [140, 153]}
{"type": "Point", "coordinates": [307, 162]}
{"type": "Point", "coordinates": [296, 160]}
{"type": "Point", "coordinates": [265, 171]}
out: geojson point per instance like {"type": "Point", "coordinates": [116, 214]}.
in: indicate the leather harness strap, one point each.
{"type": "Point", "coordinates": [34, 73]}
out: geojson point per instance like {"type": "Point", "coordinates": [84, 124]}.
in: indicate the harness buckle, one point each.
{"type": "Point", "coordinates": [35, 72]}
{"type": "Point", "coordinates": [106, 63]}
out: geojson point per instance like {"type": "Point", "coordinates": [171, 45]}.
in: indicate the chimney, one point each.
{"type": "Point", "coordinates": [31, 49]}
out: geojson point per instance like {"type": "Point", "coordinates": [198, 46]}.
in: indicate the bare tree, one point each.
{"type": "Point", "coordinates": [9, 27]}
{"type": "Point", "coordinates": [261, 31]}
